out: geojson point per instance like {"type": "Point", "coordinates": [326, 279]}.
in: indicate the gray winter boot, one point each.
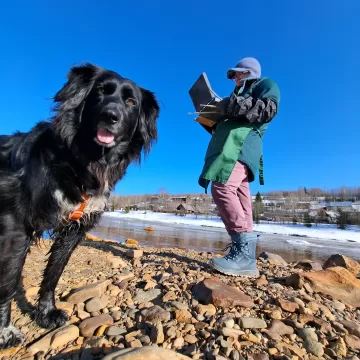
{"type": "Point", "coordinates": [241, 259]}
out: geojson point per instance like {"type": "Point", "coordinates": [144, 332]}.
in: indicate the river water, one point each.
{"type": "Point", "coordinates": [291, 248]}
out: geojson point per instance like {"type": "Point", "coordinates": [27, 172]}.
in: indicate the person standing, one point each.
{"type": "Point", "coordinates": [234, 156]}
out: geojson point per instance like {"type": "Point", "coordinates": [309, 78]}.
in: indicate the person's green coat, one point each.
{"type": "Point", "coordinates": [239, 136]}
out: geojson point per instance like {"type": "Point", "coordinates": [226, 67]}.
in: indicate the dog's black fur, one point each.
{"type": "Point", "coordinates": [45, 172]}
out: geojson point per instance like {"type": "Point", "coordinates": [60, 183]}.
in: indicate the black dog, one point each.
{"type": "Point", "coordinates": [58, 178]}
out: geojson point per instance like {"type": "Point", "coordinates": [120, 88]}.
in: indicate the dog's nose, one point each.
{"type": "Point", "coordinates": [110, 115]}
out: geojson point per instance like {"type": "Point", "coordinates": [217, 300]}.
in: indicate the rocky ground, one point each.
{"type": "Point", "coordinates": [168, 304]}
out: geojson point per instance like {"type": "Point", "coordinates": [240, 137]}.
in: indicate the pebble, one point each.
{"type": "Point", "coordinates": [146, 296]}
{"type": "Point", "coordinates": [252, 323]}
{"type": "Point", "coordinates": [179, 305]}
{"type": "Point", "coordinates": [95, 304]}
{"type": "Point", "coordinates": [157, 334]}
{"type": "Point", "coordinates": [190, 339]}
{"type": "Point", "coordinates": [226, 322]}
{"type": "Point", "coordinates": [115, 330]}
{"type": "Point", "coordinates": [88, 326]}
{"type": "Point", "coordinates": [314, 347]}
{"type": "Point", "coordinates": [179, 342]}
{"type": "Point", "coordinates": [183, 316]}
{"type": "Point", "coordinates": [206, 309]}
{"type": "Point", "coordinates": [155, 314]}
{"type": "Point", "coordinates": [275, 315]}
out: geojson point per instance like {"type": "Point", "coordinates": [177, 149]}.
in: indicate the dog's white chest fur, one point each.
{"type": "Point", "coordinates": [95, 203]}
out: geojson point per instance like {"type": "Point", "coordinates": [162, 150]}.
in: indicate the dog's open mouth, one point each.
{"type": "Point", "coordinates": [105, 136]}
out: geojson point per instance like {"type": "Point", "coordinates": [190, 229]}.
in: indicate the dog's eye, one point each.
{"type": "Point", "coordinates": [130, 102]}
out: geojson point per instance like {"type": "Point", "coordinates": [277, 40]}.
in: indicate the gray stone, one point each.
{"type": "Point", "coordinates": [115, 330]}
{"type": "Point", "coordinates": [147, 296]}
{"type": "Point", "coordinates": [95, 304]}
{"type": "Point", "coordinates": [314, 347]}
{"type": "Point", "coordinates": [155, 314]}
{"type": "Point", "coordinates": [252, 323]}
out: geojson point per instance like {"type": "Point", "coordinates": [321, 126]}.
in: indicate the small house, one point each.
{"type": "Point", "coordinates": [186, 209]}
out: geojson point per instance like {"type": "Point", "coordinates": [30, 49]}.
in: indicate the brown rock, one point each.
{"type": "Point", "coordinates": [155, 314]}
{"type": "Point", "coordinates": [87, 292]}
{"type": "Point", "coordinates": [82, 315]}
{"type": "Point", "coordinates": [149, 285]}
{"type": "Point", "coordinates": [261, 281]}
{"type": "Point", "coordinates": [214, 291]}
{"type": "Point", "coordinates": [131, 335]}
{"type": "Point", "coordinates": [64, 336]}
{"type": "Point", "coordinates": [353, 342]}
{"type": "Point", "coordinates": [157, 334]}
{"type": "Point", "coordinates": [136, 343]}
{"type": "Point", "coordinates": [169, 296]}
{"type": "Point", "coordinates": [203, 309]}
{"type": "Point", "coordinates": [233, 333]}
{"type": "Point", "coordinates": [337, 282]}
{"type": "Point", "coordinates": [252, 338]}
{"type": "Point", "coordinates": [289, 306]}
{"type": "Point", "coordinates": [294, 350]}
{"type": "Point", "coordinates": [258, 356]}
{"type": "Point", "coordinates": [339, 347]}
{"type": "Point", "coordinates": [352, 327]}
{"type": "Point", "coordinates": [272, 258]}
{"type": "Point", "coordinates": [295, 281]}
{"type": "Point", "coordinates": [178, 342]}
{"type": "Point", "coordinates": [272, 351]}
{"type": "Point", "coordinates": [275, 315]}
{"type": "Point", "coordinates": [309, 265]}
{"type": "Point", "coordinates": [123, 278]}
{"type": "Point", "coordinates": [190, 339]}
{"type": "Point", "coordinates": [44, 343]}
{"type": "Point", "coordinates": [183, 316]}
{"type": "Point", "coordinates": [134, 254]}
{"type": "Point", "coordinates": [278, 329]}
{"type": "Point", "coordinates": [100, 331]}
{"type": "Point", "coordinates": [88, 326]}
{"type": "Point", "coordinates": [96, 304]}
{"type": "Point", "coordinates": [344, 261]}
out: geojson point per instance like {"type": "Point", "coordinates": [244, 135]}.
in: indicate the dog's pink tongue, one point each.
{"type": "Point", "coordinates": [105, 136]}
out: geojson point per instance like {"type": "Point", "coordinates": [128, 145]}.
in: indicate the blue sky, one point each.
{"type": "Point", "coordinates": [310, 48]}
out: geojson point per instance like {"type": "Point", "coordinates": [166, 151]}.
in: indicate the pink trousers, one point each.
{"type": "Point", "coordinates": [234, 201]}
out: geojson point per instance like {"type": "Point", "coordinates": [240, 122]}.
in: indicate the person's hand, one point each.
{"type": "Point", "coordinates": [222, 107]}
{"type": "Point", "coordinates": [240, 106]}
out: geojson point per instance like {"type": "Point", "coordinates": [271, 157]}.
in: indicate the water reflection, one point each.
{"type": "Point", "coordinates": [214, 240]}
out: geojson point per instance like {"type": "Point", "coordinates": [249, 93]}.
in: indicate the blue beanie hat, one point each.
{"type": "Point", "coordinates": [247, 64]}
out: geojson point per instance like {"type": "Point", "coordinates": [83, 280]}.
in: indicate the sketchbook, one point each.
{"type": "Point", "coordinates": [202, 94]}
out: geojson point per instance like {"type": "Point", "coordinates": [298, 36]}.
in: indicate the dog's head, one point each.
{"type": "Point", "coordinates": [104, 112]}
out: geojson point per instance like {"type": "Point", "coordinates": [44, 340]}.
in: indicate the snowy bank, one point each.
{"type": "Point", "coordinates": [320, 231]}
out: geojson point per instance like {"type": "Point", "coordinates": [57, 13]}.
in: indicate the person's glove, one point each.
{"type": "Point", "coordinates": [240, 106]}
{"type": "Point", "coordinates": [222, 107]}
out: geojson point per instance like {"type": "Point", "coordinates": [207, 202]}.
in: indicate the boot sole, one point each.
{"type": "Point", "coordinates": [249, 273]}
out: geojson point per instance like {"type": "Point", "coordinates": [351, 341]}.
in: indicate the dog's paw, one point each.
{"type": "Point", "coordinates": [52, 319]}
{"type": "Point", "coordinates": [10, 337]}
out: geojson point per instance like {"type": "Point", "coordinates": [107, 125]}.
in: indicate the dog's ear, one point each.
{"type": "Point", "coordinates": [146, 132]}
{"type": "Point", "coordinates": [74, 91]}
